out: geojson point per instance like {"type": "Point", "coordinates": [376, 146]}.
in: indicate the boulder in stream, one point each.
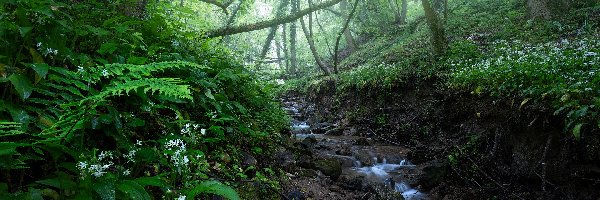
{"type": "Point", "coordinates": [329, 167]}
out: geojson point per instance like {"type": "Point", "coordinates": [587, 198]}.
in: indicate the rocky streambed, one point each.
{"type": "Point", "coordinates": [324, 164]}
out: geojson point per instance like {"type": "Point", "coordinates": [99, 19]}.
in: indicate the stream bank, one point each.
{"type": "Point", "coordinates": [464, 146]}
{"type": "Point", "coordinates": [322, 165]}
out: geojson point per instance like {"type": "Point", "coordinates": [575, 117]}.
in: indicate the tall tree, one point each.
{"type": "Point", "coordinates": [280, 11]}
{"type": "Point", "coordinates": [285, 48]}
{"type": "Point", "coordinates": [438, 35]}
{"type": "Point", "coordinates": [337, 41]}
{"type": "Point", "coordinates": [403, 12]}
{"type": "Point", "coordinates": [293, 55]}
{"type": "Point", "coordinates": [399, 11]}
{"type": "Point", "coordinates": [311, 43]}
{"type": "Point", "coordinates": [347, 34]}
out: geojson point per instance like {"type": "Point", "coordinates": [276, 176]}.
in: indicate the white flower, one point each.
{"type": "Point", "coordinates": [178, 158]}
{"type": "Point", "coordinates": [126, 172]}
{"type": "Point", "coordinates": [82, 165]}
{"type": "Point", "coordinates": [39, 44]}
{"type": "Point", "coordinates": [105, 73]}
{"type": "Point", "coordinates": [99, 170]}
{"type": "Point", "coordinates": [182, 197]}
{"type": "Point", "coordinates": [130, 155]}
{"type": "Point", "coordinates": [138, 143]}
{"type": "Point", "coordinates": [104, 154]}
{"type": "Point", "coordinates": [203, 131]}
{"type": "Point", "coordinates": [80, 69]}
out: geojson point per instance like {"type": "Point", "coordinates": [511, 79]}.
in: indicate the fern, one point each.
{"type": "Point", "coordinates": [125, 78]}
{"type": "Point", "coordinates": [169, 87]}
{"type": "Point", "coordinates": [129, 71]}
{"type": "Point", "coordinates": [10, 129]}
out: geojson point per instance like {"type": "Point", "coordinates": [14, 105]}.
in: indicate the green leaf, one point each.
{"type": "Point", "coordinates": [137, 60]}
{"type": "Point", "coordinates": [577, 131]}
{"type": "Point", "coordinates": [108, 48]}
{"type": "Point", "coordinates": [151, 181]}
{"type": "Point", "coordinates": [133, 190]}
{"type": "Point", "coordinates": [106, 190]}
{"type": "Point", "coordinates": [36, 194]}
{"type": "Point", "coordinates": [40, 68]}
{"type": "Point", "coordinates": [10, 148]}
{"type": "Point", "coordinates": [25, 30]}
{"type": "Point", "coordinates": [22, 85]}
{"type": "Point", "coordinates": [213, 187]}
{"type": "Point", "coordinates": [208, 94]}
{"type": "Point", "coordinates": [62, 181]}
{"type": "Point", "coordinates": [37, 58]}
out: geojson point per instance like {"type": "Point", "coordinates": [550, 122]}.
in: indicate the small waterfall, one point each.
{"type": "Point", "coordinates": [301, 126]}
{"type": "Point", "coordinates": [383, 171]}
{"type": "Point", "coordinates": [357, 164]}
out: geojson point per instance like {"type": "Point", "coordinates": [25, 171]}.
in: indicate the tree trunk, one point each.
{"type": "Point", "coordinates": [438, 35]}
{"type": "Point", "coordinates": [278, 53]}
{"type": "Point", "coordinates": [267, 45]}
{"type": "Point", "coordinates": [337, 42]}
{"type": "Point", "coordinates": [347, 34]}
{"type": "Point", "coordinates": [293, 57]}
{"type": "Point", "coordinates": [269, 23]}
{"type": "Point", "coordinates": [539, 9]}
{"type": "Point", "coordinates": [285, 48]}
{"type": "Point", "coordinates": [311, 42]}
{"type": "Point", "coordinates": [403, 12]}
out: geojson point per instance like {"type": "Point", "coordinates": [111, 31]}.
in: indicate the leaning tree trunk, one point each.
{"type": "Point", "coordinates": [267, 45]}
{"type": "Point", "coordinates": [337, 41]}
{"type": "Point", "coordinates": [347, 34]}
{"type": "Point", "coordinates": [438, 35]}
{"type": "Point", "coordinates": [311, 43]}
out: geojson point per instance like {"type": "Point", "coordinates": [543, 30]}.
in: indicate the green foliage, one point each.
{"type": "Point", "coordinates": [563, 74]}
{"type": "Point", "coordinates": [102, 101]}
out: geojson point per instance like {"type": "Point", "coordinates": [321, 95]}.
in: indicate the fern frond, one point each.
{"type": "Point", "coordinates": [130, 71]}
{"type": "Point", "coordinates": [10, 129]}
{"type": "Point", "coordinates": [169, 87]}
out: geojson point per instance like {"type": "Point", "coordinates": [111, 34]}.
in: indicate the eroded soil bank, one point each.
{"type": "Point", "coordinates": [465, 146]}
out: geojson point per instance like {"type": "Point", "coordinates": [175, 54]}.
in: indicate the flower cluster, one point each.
{"type": "Point", "coordinates": [176, 150]}
{"type": "Point", "coordinates": [98, 167]}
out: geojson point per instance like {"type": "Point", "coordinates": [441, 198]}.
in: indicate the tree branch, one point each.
{"type": "Point", "coordinates": [219, 4]}
{"type": "Point", "coordinates": [268, 23]}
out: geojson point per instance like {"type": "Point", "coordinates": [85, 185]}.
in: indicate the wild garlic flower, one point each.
{"type": "Point", "coordinates": [105, 73]}
{"type": "Point", "coordinates": [97, 170]}
{"type": "Point", "coordinates": [105, 154]}
{"type": "Point", "coordinates": [178, 158]}
{"type": "Point", "coordinates": [182, 197]}
{"type": "Point", "coordinates": [130, 156]}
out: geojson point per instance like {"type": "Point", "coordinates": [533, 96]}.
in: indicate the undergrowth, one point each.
{"type": "Point", "coordinates": [120, 101]}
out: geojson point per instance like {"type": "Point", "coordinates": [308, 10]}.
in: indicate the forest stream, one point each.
{"type": "Point", "coordinates": [365, 164]}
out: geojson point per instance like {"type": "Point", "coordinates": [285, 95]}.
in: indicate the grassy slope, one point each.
{"type": "Point", "coordinates": [495, 50]}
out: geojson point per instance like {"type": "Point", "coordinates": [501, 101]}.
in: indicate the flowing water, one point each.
{"type": "Point", "coordinates": [391, 174]}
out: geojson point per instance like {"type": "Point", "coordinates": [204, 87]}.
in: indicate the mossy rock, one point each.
{"type": "Point", "coordinates": [329, 167]}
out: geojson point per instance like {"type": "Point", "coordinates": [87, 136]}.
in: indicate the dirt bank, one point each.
{"type": "Point", "coordinates": [470, 146]}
